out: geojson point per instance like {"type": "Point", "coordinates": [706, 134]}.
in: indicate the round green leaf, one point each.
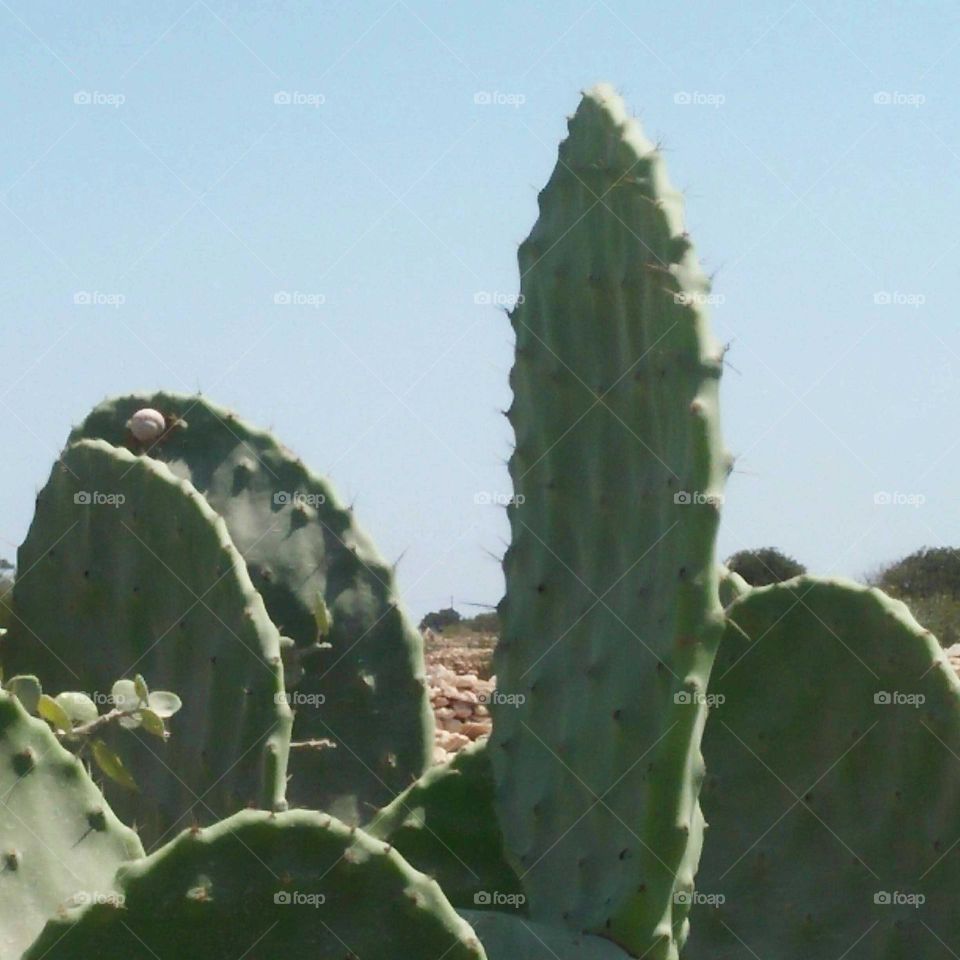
{"type": "Point", "coordinates": [140, 685]}
{"type": "Point", "coordinates": [112, 765]}
{"type": "Point", "coordinates": [53, 713]}
{"type": "Point", "coordinates": [27, 690]}
{"type": "Point", "coordinates": [124, 696]}
{"type": "Point", "coordinates": [152, 722]}
{"type": "Point", "coordinates": [164, 703]}
{"type": "Point", "coordinates": [78, 707]}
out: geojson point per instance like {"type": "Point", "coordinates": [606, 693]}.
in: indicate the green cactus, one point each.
{"type": "Point", "coordinates": [732, 586]}
{"type": "Point", "coordinates": [611, 615]}
{"type": "Point", "coordinates": [507, 937]}
{"type": "Point", "coordinates": [833, 747]}
{"type": "Point", "coordinates": [58, 838]}
{"type": "Point", "coordinates": [445, 825]}
{"type": "Point", "coordinates": [307, 557]}
{"type": "Point", "coordinates": [820, 799]}
{"type": "Point", "coordinates": [297, 884]}
{"type": "Point", "coordinates": [128, 570]}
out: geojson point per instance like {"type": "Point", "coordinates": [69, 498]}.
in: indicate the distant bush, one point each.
{"type": "Point", "coordinates": [452, 624]}
{"type": "Point", "coordinates": [931, 571]}
{"type": "Point", "coordinates": [928, 581]}
{"type": "Point", "coordinates": [938, 614]}
{"type": "Point", "coordinates": [484, 623]}
{"type": "Point", "coordinates": [764, 566]}
{"type": "Point", "coordinates": [440, 619]}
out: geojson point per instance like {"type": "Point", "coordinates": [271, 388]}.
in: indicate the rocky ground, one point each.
{"type": "Point", "coordinates": [458, 674]}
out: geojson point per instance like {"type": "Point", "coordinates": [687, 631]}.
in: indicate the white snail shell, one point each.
{"type": "Point", "coordinates": [147, 424]}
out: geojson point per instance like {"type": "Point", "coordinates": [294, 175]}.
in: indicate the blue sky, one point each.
{"type": "Point", "coordinates": [153, 167]}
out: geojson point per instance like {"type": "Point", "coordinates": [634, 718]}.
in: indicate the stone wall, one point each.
{"type": "Point", "coordinates": [460, 706]}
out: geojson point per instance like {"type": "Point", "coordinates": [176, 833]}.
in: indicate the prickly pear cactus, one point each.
{"type": "Point", "coordinates": [611, 615]}
{"type": "Point", "coordinates": [445, 825]}
{"type": "Point", "coordinates": [507, 937]}
{"type": "Point", "coordinates": [833, 759]}
{"type": "Point", "coordinates": [127, 571]}
{"type": "Point", "coordinates": [59, 841]}
{"type": "Point", "coordinates": [732, 586]}
{"type": "Point", "coordinates": [356, 662]}
{"type": "Point", "coordinates": [297, 884]}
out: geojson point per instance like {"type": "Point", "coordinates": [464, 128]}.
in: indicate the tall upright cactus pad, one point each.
{"type": "Point", "coordinates": [59, 841]}
{"type": "Point", "coordinates": [833, 785]}
{"type": "Point", "coordinates": [445, 825]}
{"type": "Point", "coordinates": [126, 570]}
{"type": "Point", "coordinates": [297, 884]}
{"type": "Point", "coordinates": [364, 691]}
{"type": "Point", "coordinates": [611, 614]}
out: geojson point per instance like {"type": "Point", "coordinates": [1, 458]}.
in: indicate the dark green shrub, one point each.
{"type": "Point", "coordinates": [764, 566]}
